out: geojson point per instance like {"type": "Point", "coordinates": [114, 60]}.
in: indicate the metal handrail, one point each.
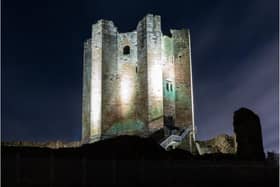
{"type": "Point", "coordinates": [174, 138]}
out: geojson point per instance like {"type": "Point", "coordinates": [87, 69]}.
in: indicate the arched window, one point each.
{"type": "Point", "coordinates": [126, 50]}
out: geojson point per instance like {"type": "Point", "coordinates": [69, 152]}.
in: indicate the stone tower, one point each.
{"type": "Point", "coordinates": [132, 80]}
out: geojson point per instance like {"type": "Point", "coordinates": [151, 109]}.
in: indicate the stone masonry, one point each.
{"type": "Point", "coordinates": [132, 80]}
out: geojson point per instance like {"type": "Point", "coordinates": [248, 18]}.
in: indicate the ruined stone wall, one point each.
{"type": "Point", "coordinates": [183, 103]}
{"type": "Point", "coordinates": [154, 72]}
{"type": "Point", "coordinates": [120, 85]}
{"type": "Point", "coordinates": [110, 81]}
{"type": "Point", "coordinates": [125, 119]}
{"type": "Point", "coordinates": [248, 133]}
{"type": "Point", "coordinates": [86, 90]}
{"type": "Point", "coordinates": [127, 72]}
{"type": "Point", "coordinates": [132, 80]}
{"type": "Point", "coordinates": [92, 80]}
{"type": "Point", "coordinates": [96, 81]}
{"type": "Point", "coordinates": [142, 80]}
{"type": "Point", "coordinates": [168, 82]}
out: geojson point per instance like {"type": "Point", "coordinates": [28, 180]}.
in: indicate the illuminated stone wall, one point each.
{"type": "Point", "coordinates": [132, 80]}
{"type": "Point", "coordinates": [96, 81]}
{"type": "Point", "coordinates": [183, 97]}
{"type": "Point", "coordinates": [110, 78]}
{"type": "Point", "coordinates": [154, 71]}
{"type": "Point", "coordinates": [86, 89]}
{"type": "Point", "coordinates": [168, 76]}
{"type": "Point", "coordinates": [142, 81]}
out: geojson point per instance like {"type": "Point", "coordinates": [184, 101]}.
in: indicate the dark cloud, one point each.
{"type": "Point", "coordinates": [234, 53]}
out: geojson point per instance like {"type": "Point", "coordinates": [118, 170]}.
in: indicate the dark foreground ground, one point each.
{"type": "Point", "coordinates": [129, 161]}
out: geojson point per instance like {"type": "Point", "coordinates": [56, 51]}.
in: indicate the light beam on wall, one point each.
{"type": "Point", "coordinates": [96, 96]}
{"type": "Point", "coordinates": [156, 80]}
{"type": "Point", "coordinates": [126, 89]}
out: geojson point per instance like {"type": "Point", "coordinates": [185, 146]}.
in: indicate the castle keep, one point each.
{"type": "Point", "coordinates": [133, 81]}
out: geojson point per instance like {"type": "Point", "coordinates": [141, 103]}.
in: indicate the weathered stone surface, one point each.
{"type": "Point", "coordinates": [183, 108]}
{"type": "Point", "coordinates": [247, 128]}
{"type": "Point", "coordinates": [132, 80]}
{"type": "Point", "coordinates": [220, 144]}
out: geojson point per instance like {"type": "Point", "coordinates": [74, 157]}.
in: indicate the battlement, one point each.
{"type": "Point", "coordinates": [87, 43]}
{"type": "Point", "coordinates": [179, 33]}
{"type": "Point", "coordinates": [150, 23]}
{"type": "Point", "coordinates": [107, 24]}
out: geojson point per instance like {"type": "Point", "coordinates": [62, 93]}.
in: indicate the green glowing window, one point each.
{"type": "Point", "coordinates": [169, 86]}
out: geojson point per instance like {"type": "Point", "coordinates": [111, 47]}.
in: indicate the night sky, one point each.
{"type": "Point", "coordinates": [234, 55]}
